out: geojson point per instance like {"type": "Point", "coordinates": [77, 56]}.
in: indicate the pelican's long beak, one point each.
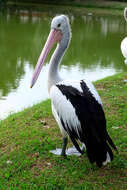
{"type": "Point", "coordinates": [54, 37]}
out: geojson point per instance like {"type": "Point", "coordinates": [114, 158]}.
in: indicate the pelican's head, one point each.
{"type": "Point", "coordinates": [61, 23]}
{"type": "Point", "coordinates": [60, 30]}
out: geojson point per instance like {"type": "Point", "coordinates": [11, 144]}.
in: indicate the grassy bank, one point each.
{"type": "Point", "coordinates": [27, 137]}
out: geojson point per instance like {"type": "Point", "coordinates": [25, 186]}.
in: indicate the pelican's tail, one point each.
{"type": "Point", "coordinates": [99, 151]}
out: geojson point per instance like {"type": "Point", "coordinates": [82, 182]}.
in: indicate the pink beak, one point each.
{"type": "Point", "coordinates": [54, 37]}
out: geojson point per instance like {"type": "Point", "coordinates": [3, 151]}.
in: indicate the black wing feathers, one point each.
{"type": "Point", "coordinates": [93, 123]}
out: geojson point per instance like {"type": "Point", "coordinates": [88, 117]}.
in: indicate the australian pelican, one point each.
{"type": "Point", "coordinates": [76, 105]}
{"type": "Point", "coordinates": [124, 41]}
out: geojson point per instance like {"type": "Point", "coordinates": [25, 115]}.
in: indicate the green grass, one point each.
{"type": "Point", "coordinates": [26, 139]}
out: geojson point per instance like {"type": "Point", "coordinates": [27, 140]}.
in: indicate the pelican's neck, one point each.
{"type": "Point", "coordinates": [53, 75]}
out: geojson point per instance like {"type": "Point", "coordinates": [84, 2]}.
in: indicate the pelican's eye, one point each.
{"type": "Point", "coordinates": [58, 25]}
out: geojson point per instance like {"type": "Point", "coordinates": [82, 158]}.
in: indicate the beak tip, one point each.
{"type": "Point", "coordinates": [31, 86]}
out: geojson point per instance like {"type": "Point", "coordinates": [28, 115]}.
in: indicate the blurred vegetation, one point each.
{"type": "Point", "coordinates": [2, 2]}
{"type": "Point", "coordinates": [61, 2]}
{"type": "Point", "coordinates": [64, 0]}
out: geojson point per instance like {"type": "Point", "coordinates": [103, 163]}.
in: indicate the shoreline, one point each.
{"type": "Point", "coordinates": [13, 112]}
{"type": "Point", "coordinates": [37, 104]}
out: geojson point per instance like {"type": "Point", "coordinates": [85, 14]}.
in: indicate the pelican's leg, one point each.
{"type": "Point", "coordinates": [64, 145]}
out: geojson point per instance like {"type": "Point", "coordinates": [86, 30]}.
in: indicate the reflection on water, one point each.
{"type": "Point", "coordinates": [94, 53]}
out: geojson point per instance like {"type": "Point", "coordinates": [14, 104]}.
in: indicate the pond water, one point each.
{"type": "Point", "coordinates": [94, 52]}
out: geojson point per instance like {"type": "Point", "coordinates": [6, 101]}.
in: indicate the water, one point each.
{"type": "Point", "coordinates": [94, 52]}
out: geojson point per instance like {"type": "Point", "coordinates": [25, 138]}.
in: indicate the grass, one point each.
{"type": "Point", "coordinates": [27, 137]}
